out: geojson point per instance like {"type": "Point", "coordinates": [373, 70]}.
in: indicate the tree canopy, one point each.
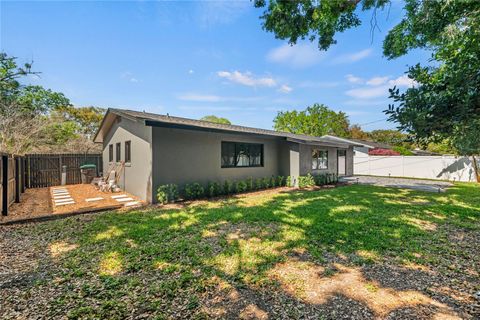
{"type": "Point", "coordinates": [33, 118]}
{"type": "Point", "coordinates": [212, 118]}
{"type": "Point", "coordinates": [445, 100]}
{"type": "Point", "coordinates": [316, 120]}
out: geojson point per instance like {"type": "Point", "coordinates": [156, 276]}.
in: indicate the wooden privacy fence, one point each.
{"type": "Point", "coordinates": [12, 180]}
{"type": "Point", "coordinates": [45, 170]}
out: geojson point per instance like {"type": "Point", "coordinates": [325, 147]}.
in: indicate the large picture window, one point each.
{"type": "Point", "coordinates": [238, 154]}
{"type": "Point", "coordinates": [319, 159]}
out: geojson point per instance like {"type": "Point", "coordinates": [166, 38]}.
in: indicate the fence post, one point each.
{"type": "Point", "coordinates": [17, 180]}
{"type": "Point", "coordinates": [4, 185]}
{"type": "Point", "coordinates": [27, 172]}
{"type": "Point", "coordinates": [22, 174]}
{"type": "Point", "coordinates": [60, 169]}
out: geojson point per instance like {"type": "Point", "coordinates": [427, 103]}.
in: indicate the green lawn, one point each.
{"type": "Point", "coordinates": [357, 250]}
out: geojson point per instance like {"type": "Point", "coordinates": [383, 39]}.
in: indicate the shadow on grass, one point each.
{"type": "Point", "coordinates": [329, 253]}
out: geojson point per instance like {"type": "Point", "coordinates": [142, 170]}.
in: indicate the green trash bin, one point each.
{"type": "Point", "coordinates": [88, 172]}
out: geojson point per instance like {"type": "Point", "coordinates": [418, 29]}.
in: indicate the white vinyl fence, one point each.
{"type": "Point", "coordinates": [429, 167]}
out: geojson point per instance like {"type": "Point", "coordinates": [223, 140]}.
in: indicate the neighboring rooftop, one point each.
{"type": "Point", "coordinates": [152, 119]}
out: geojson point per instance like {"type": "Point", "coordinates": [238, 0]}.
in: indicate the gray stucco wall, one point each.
{"type": "Point", "coordinates": [350, 154]}
{"type": "Point", "coordinates": [185, 156]}
{"type": "Point", "coordinates": [137, 176]}
{"type": "Point", "coordinates": [306, 160]}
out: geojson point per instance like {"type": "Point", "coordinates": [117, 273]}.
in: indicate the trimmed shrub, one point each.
{"type": "Point", "coordinates": [213, 189]}
{"type": "Point", "coordinates": [227, 187]}
{"type": "Point", "coordinates": [241, 186]}
{"type": "Point", "coordinates": [258, 184]}
{"type": "Point", "coordinates": [167, 193]}
{"type": "Point", "coordinates": [273, 182]}
{"type": "Point", "coordinates": [281, 181]}
{"type": "Point", "coordinates": [289, 182]}
{"type": "Point", "coordinates": [320, 179]}
{"type": "Point", "coordinates": [194, 191]}
{"type": "Point", "coordinates": [335, 178]}
{"type": "Point", "coordinates": [265, 183]}
{"type": "Point", "coordinates": [250, 184]}
{"type": "Point", "coordinates": [306, 181]}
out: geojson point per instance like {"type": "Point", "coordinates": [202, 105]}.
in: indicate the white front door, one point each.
{"type": "Point", "coordinates": [342, 162]}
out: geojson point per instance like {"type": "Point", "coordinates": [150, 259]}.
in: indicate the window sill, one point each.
{"type": "Point", "coordinates": [128, 164]}
{"type": "Point", "coordinates": [238, 167]}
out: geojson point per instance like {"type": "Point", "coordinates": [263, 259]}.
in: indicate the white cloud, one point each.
{"type": "Point", "coordinates": [285, 89]}
{"type": "Point", "coordinates": [353, 79]}
{"type": "Point", "coordinates": [247, 79]}
{"type": "Point", "coordinates": [376, 81]}
{"type": "Point", "coordinates": [402, 81]}
{"type": "Point", "coordinates": [377, 86]}
{"type": "Point", "coordinates": [352, 57]}
{"type": "Point", "coordinates": [368, 92]}
{"type": "Point", "coordinates": [199, 97]}
{"type": "Point", "coordinates": [297, 56]}
{"type": "Point", "coordinates": [129, 77]}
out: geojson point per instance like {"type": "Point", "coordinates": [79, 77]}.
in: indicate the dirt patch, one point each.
{"type": "Point", "coordinates": [34, 202]}
{"type": "Point", "coordinates": [38, 202]}
{"type": "Point", "coordinates": [349, 283]}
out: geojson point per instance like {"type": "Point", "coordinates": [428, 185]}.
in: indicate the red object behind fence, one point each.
{"type": "Point", "coordinates": [383, 152]}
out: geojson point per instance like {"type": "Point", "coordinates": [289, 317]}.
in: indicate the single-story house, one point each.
{"type": "Point", "coordinates": [161, 149]}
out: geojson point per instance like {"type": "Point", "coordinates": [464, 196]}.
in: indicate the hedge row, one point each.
{"type": "Point", "coordinates": [170, 192]}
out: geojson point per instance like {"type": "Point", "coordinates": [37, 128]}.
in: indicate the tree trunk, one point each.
{"type": "Point", "coordinates": [475, 169]}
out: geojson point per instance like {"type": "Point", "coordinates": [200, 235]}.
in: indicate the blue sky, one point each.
{"type": "Point", "coordinates": [192, 59]}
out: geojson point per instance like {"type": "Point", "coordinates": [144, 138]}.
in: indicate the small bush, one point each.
{"type": "Point", "coordinates": [335, 178]}
{"type": "Point", "coordinates": [167, 193]}
{"type": "Point", "coordinates": [289, 182]}
{"type": "Point", "coordinates": [273, 182]}
{"type": "Point", "coordinates": [320, 179]}
{"type": "Point", "coordinates": [265, 183]}
{"type": "Point", "coordinates": [250, 184]}
{"type": "Point", "coordinates": [281, 181]}
{"type": "Point", "coordinates": [258, 184]}
{"type": "Point", "coordinates": [306, 181]}
{"type": "Point", "coordinates": [241, 186]}
{"type": "Point", "coordinates": [194, 191]}
{"type": "Point", "coordinates": [227, 187]}
{"type": "Point", "coordinates": [213, 189]}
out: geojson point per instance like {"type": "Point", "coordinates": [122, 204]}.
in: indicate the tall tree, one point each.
{"type": "Point", "coordinates": [23, 109]}
{"type": "Point", "coordinates": [316, 120]}
{"type": "Point", "coordinates": [446, 97]}
{"type": "Point", "coordinates": [35, 119]}
{"type": "Point", "coordinates": [388, 136]}
{"type": "Point", "coordinates": [356, 132]}
{"type": "Point", "coordinates": [313, 19]}
{"type": "Point", "coordinates": [215, 119]}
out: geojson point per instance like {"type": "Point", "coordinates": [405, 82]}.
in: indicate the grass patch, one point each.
{"type": "Point", "coordinates": [169, 263]}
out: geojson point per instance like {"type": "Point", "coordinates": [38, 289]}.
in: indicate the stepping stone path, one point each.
{"type": "Point", "coordinates": [93, 199]}
{"type": "Point", "coordinates": [124, 198]}
{"type": "Point", "coordinates": [61, 197]}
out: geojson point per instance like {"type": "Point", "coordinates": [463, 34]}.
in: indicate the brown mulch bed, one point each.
{"type": "Point", "coordinates": [38, 203]}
